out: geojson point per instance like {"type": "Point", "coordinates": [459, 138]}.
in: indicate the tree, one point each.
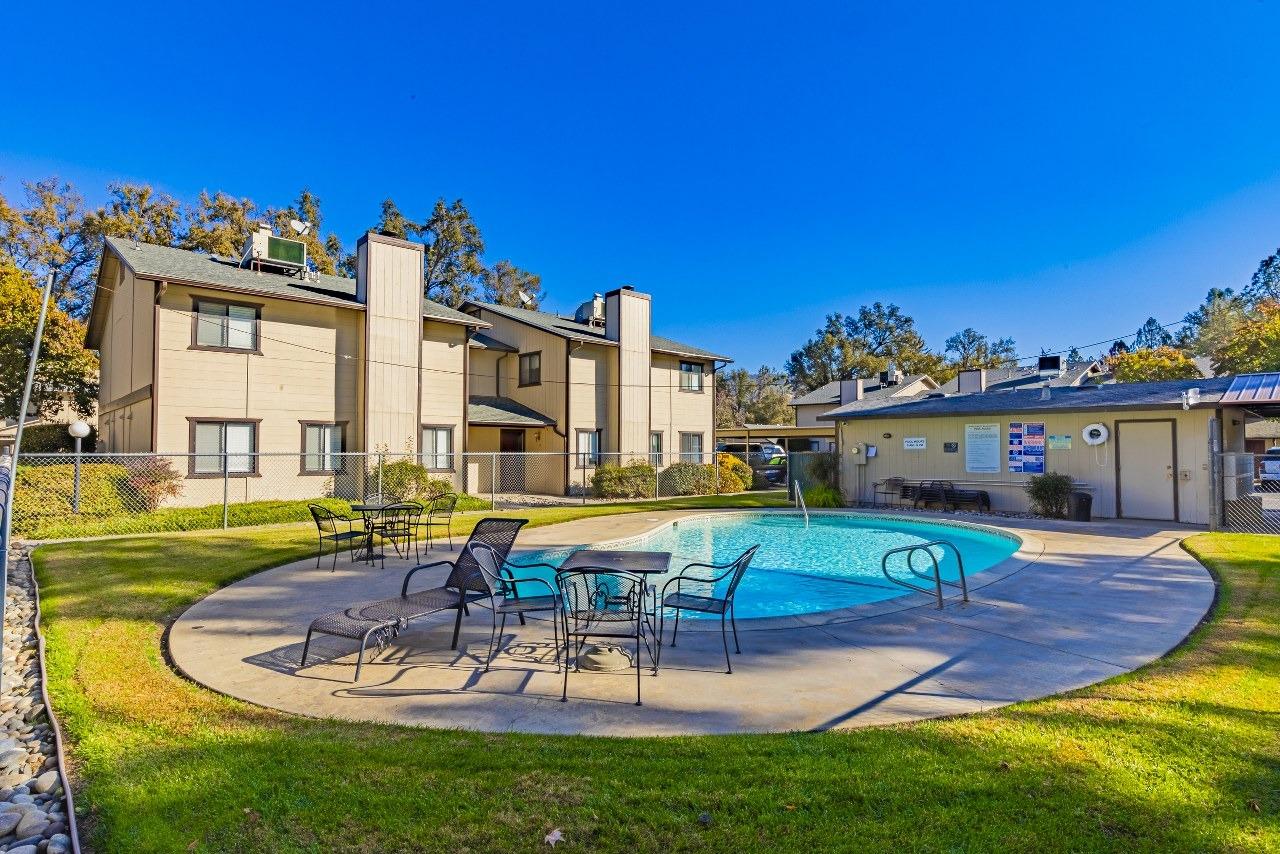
{"type": "Point", "coordinates": [1117, 348]}
{"type": "Point", "coordinates": [1265, 284]}
{"type": "Point", "coordinates": [393, 223]}
{"type": "Point", "coordinates": [1150, 364]}
{"type": "Point", "coordinates": [972, 350]}
{"type": "Point", "coordinates": [48, 235]}
{"type": "Point", "coordinates": [1074, 356]}
{"type": "Point", "coordinates": [861, 345]}
{"type": "Point", "coordinates": [830, 355]}
{"type": "Point", "coordinates": [1210, 326]}
{"type": "Point", "coordinates": [220, 224]}
{"type": "Point", "coordinates": [759, 398]}
{"type": "Point", "coordinates": [454, 249]}
{"type": "Point", "coordinates": [324, 254]}
{"type": "Point", "coordinates": [1151, 335]}
{"type": "Point", "coordinates": [1255, 345]}
{"type": "Point", "coordinates": [65, 366]}
{"type": "Point", "coordinates": [504, 282]}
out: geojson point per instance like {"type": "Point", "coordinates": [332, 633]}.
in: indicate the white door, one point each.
{"type": "Point", "coordinates": [1145, 470]}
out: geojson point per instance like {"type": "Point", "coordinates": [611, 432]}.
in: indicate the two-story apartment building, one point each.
{"type": "Point", "coordinates": [220, 359]}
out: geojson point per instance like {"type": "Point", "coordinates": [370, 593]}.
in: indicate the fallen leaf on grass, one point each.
{"type": "Point", "coordinates": [553, 837]}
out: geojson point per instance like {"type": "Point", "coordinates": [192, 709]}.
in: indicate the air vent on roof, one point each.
{"type": "Point", "coordinates": [934, 395]}
{"type": "Point", "coordinates": [1050, 367]}
{"type": "Point", "coordinates": [265, 251]}
{"type": "Point", "coordinates": [591, 312]}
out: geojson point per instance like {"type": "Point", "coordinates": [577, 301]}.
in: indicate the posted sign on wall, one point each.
{"type": "Point", "coordinates": [982, 448]}
{"type": "Point", "coordinates": [913, 443]}
{"type": "Point", "coordinates": [1026, 447]}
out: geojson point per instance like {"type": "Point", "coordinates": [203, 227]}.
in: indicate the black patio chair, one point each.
{"type": "Point", "coordinates": [328, 527]}
{"type": "Point", "coordinates": [707, 602]}
{"type": "Point", "coordinates": [384, 619]}
{"type": "Point", "coordinates": [602, 603]}
{"type": "Point", "coordinates": [505, 598]}
{"type": "Point", "coordinates": [440, 517]}
{"type": "Point", "coordinates": [394, 524]}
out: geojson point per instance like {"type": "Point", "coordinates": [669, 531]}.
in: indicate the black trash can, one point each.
{"type": "Point", "coordinates": [1080, 507]}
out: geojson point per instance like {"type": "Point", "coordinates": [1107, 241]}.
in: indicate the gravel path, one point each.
{"type": "Point", "coordinates": [33, 805]}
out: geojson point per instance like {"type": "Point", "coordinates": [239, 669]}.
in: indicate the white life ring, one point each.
{"type": "Point", "coordinates": [1095, 434]}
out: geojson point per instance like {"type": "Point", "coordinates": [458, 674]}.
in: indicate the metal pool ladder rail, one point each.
{"type": "Point", "coordinates": [937, 579]}
{"type": "Point", "coordinates": [800, 503]}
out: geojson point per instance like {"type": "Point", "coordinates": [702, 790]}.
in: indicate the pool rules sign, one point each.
{"type": "Point", "coordinates": [1026, 447]}
{"type": "Point", "coordinates": [982, 448]}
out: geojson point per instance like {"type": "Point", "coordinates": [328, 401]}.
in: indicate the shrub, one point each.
{"type": "Point", "coordinates": [636, 479]}
{"type": "Point", "coordinates": [148, 482]}
{"type": "Point", "coordinates": [824, 468]}
{"type": "Point", "coordinates": [735, 475]}
{"type": "Point", "coordinates": [408, 479]}
{"type": "Point", "coordinates": [823, 495]}
{"type": "Point", "coordinates": [687, 479]}
{"type": "Point", "coordinates": [1048, 494]}
{"type": "Point", "coordinates": [44, 493]}
{"type": "Point", "coordinates": [54, 439]}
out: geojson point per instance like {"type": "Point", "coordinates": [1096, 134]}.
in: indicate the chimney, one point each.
{"type": "Point", "coordinates": [972, 381]}
{"type": "Point", "coordinates": [1050, 367]}
{"type": "Point", "coordinates": [627, 314]}
{"type": "Point", "coordinates": [1044, 392]}
{"type": "Point", "coordinates": [850, 390]}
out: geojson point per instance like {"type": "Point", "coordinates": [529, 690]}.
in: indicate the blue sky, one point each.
{"type": "Point", "coordinates": [1055, 175]}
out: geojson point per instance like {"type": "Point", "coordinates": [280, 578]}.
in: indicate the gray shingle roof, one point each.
{"type": "Point", "coordinates": [183, 265]}
{"type": "Point", "coordinates": [1160, 395]}
{"type": "Point", "coordinates": [567, 327]}
{"type": "Point", "coordinates": [487, 342]}
{"type": "Point", "coordinates": [830, 393]}
{"type": "Point", "coordinates": [503, 411]}
{"type": "Point", "coordinates": [1008, 378]}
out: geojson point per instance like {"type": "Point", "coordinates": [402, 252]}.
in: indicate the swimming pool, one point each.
{"type": "Point", "coordinates": [834, 563]}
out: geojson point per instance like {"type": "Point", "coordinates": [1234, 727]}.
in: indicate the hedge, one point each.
{"type": "Point", "coordinates": [687, 479]}
{"type": "Point", "coordinates": [735, 475]}
{"type": "Point", "coordinates": [636, 479]}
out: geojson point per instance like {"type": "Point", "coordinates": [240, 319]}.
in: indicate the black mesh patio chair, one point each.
{"type": "Point", "coordinates": [464, 585]}
{"type": "Point", "coordinates": [602, 603]}
{"type": "Point", "coordinates": [505, 597]}
{"type": "Point", "coordinates": [382, 498]}
{"type": "Point", "coordinates": [889, 489]}
{"type": "Point", "coordinates": [440, 517]}
{"type": "Point", "coordinates": [707, 601]}
{"type": "Point", "coordinates": [394, 524]}
{"type": "Point", "coordinates": [329, 527]}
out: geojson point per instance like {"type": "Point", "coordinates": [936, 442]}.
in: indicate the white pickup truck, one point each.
{"type": "Point", "coordinates": [1269, 470]}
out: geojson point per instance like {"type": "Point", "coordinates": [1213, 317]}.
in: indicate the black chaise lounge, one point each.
{"type": "Point", "coordinates": [944, 492]}
{"type": "Point", "coordinates": [382, 620]}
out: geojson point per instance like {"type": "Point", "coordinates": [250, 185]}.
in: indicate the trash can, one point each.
{"type": "Point", "coordinates": [1080, 506]}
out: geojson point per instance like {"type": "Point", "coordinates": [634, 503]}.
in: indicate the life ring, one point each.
{"type": "Point", "coordinates": [1095, 434]}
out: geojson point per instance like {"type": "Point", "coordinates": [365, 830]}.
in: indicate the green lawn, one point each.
{"type": "Point", "coordinates": [1182, 755]}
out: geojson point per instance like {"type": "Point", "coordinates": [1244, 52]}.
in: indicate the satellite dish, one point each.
{"type": "Point", "coordinates": [299, 226]}
{"type": "Point", "coordinates": [525, 299]}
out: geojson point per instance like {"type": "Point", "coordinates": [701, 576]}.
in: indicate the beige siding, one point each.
{"type": "Point", "coordinates": [675, 411]}
{"type": "Point", "coordinates": [391, 283]}
{"type": "Point", "coordinates": [444, 346]}
{"type": "Point", "coordinates": [1092, 466]}
{"type": "Point", "coordinates": [126, 357]}
{"type": "Point", "coordinates": [807, 416]}
{"type": "Point", "coordinates": [548, 397]}
{"type": "Point", "coordinates": [628, 320]}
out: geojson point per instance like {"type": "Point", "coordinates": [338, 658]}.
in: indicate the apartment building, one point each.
{"type": "Point", "coordinates": [219, 358]}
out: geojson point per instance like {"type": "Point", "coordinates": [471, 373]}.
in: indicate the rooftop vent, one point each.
{"type": "Point", "coordinates": [265, 251]}
{"type": "Point", "coordinates": [1050, 367]}
{"type": "Point", "coordinates": [591, 312]}
{"type": "Point", "coordinates": [890, 377]}
{"type": "Point", "coordinates": [935, 395]}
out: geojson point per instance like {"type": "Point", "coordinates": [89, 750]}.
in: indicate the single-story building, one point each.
{"type": "Point", "coordinates": [1142, 450]}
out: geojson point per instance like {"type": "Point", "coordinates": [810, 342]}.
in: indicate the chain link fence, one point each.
{"type": "Point", "coordinates": [1247, 492]}
{"type": "Point", "coordinates": [69, 495]}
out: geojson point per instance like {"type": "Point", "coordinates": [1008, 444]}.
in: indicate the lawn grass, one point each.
{"type": "Point", "coordinates": [1182, 755]}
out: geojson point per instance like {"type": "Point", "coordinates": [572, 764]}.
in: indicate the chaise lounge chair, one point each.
{"type": "Point", "coordinates": [382, 620]}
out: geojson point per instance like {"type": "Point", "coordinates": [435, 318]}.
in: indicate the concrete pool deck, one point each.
{"type": "Point", "coordinates": [1079, 603]}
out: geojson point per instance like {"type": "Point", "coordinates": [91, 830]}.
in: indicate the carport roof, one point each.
{"type": "Point", "coordinates": [1252, 389]}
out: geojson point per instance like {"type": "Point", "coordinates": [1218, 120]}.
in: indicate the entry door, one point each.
{"type": "Point", "coordinates": [1146, 470]}
{"type": "Point", "coordinates": [511, 469]}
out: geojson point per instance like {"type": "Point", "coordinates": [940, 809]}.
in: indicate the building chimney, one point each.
{"type": "Point", "coordinates": [1044, 392]}
{"type": "Point", "coordinates": [850, 390]}
{"type": "Point", "coordinates": [972, 381]}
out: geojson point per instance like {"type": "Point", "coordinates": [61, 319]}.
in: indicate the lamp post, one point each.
{"type": "Point", "coordinates": [78, 430]}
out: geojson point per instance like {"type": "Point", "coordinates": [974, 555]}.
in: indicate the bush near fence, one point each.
{"type": "Point", "coordinates": [735, 475]}
{"type": "Point", "coordinates": [636, 479]}
{"type": "Point", "coordinates": [687, 479]}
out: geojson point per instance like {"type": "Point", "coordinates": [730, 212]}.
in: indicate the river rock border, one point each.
{"type": "Point", "coordinates": [36, 814]}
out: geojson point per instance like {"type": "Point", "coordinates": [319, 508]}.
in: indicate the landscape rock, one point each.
{"type": "Point", "coordinates": [45, 782]}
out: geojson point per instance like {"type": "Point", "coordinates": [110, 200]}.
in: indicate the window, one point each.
{"type": "Point", "coordinates": [225, 326]}
{"type": "Point", "coordinates": [691, 376]}
{"type": "Point", "coordinates": [215, 441]}
{"type": "Point", "coordinates": [690, 447]}
{"type": "Point", "coordinates": [437, 448]}
{"type": "Point", "coordinates": [588, 448]}
{"type": "Point", "coordinates": [655, 450]}
{"type": "Point", "coordinates": [531, 368]}
{"type": "Point", "coordinates": [321, 446]}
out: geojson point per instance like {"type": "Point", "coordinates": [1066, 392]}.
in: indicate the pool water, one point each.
{"type": "Point", "coordinates": [834, 563]}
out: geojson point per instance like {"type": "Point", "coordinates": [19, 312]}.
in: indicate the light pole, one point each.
{"type": "Point", "coordinates": [78, 430]}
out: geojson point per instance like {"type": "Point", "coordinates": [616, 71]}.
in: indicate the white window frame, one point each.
{"type": "Point", "coordinates": [433, 458]}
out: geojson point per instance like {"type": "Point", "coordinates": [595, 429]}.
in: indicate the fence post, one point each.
{"type": "Point", "coordinates": [226, 486]}
{"type": "Point", "coordinates": [1216, 475]}
{"type": "Point", "coordinates": [493, 482]}
{"type": "Point", "coordinates": [75, 489]}
{"type": "Point", "coordinates": [657, 467]}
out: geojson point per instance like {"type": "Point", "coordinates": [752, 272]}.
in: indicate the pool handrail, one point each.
{"type": "Point", "coordinates": [937, 579]}
{"type": "Point", "coordinates": [800, 502]}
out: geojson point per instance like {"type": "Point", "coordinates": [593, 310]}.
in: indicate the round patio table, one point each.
{"type": "Point", "coordinates": [611, 656]}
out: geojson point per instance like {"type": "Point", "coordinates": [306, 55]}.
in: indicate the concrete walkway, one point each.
{"type": "Point", "coordinates": [1079, 603]}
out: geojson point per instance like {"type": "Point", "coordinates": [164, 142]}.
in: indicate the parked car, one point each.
{"type": "Point", "coordinates": [758, 453]}
{"type": "Point", "coordinates": [1269, 475]}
